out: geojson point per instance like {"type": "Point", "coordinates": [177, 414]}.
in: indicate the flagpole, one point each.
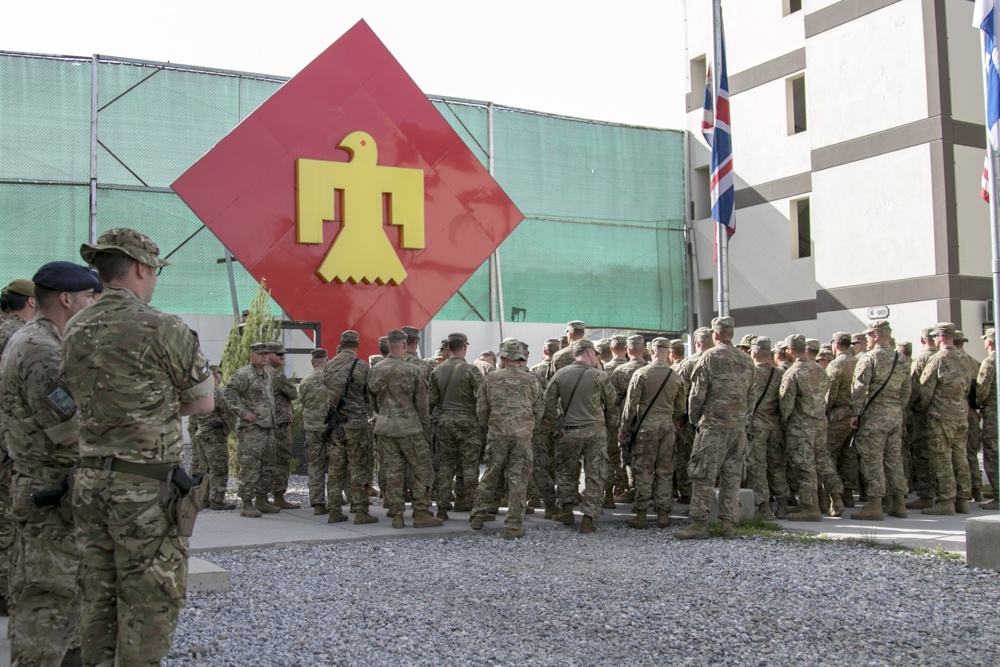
{"type": "Point", "coordinates": [721, 237]}
{"type": "Point", "coordinates": [991, 188]}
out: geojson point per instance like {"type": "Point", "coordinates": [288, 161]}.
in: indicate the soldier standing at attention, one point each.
{"type": "Point", "coordinates": [974, 435]}
{"type": "Point", "coordinates": [721, 396]}
{"type": "Point", "coordinates": [542, 440]}
{"type": "Point", "coordinates": [944, 386]}
{"type": "Point", "coordinates": [587, 400]}
{"type": "Point", "coordinates": [923, 481]}
{"type": "Point", "coordinates": [412, 342]}
{"type": "Point", "coordinates": [986, 396]}
{"type": "Point", "coordinates": [41, 431]}
{"type": "Point", "coordinates": [509, 407]}
{"type": "Point", "coordinates": [315, 401]}
{"type": "Point", "coordinates": [347, 376]}
{"type": "Point", "coordinates": [685, 435]}
{"type": "Point", "coordinates": [838, 415]}
{"type": "Point", "coordinates": [403, 426]}
{"type": "Point", "coordinates": [453, 389]}
{"type": "Point", "coordinates": [284, 393]}
{"type": "Point", "coordinates": [619, 346]}
{"type": "Point", "coordinates": [654, 396]}
{"type": "Point", "coordinates": [575, 330]}
{"type": "Point", "coordinates": [486, 363]}
{"type": "Point", "coordinates": [250, 395]}
{"type": "Point", "coordinates": [210, 446]}
{"type": "Point", "coordinates": [604, 354]}
{"type": "Point", "coordinates": [620, 377]}
{"type": "Point", "coordinates": [766, 460]}
{"type": "Point", "coordinates": [133, 371]}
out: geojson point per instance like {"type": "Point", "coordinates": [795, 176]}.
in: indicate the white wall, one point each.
{"type": "Point", "coordinates": [763, 151]}
{"type": "Point", "coordinates": [973, 213]}
{"type": "Point", "coordinates": [965, 64]}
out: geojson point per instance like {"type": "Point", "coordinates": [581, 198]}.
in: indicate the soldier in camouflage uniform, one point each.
{"type": "Point", "coordinates": [575, 330]}
{"type": "Point", "coordinates": [986, 397]}
{"type": "Point", "coordinates": [41, 433]}
{"type": "Point", "coordinates": [587, 399]}
{"type": "Point", "coordinates": [509, 407]}
{"type": "Point", "coordinates": [284, 393]}
{"type": "Point", "coordinates": [133, 371]}
{"type": "Point", "coordinates": [975, 433]}
{"type": "Point", "coordinates": [881, 387]}
{"type": "Point", "coordinates": [403, 425]}
{"type": "Point", "coordinates": [620, 377]}
{"type": "Point", "coordinates": [944, 391]}
{"type": "Point", "coordinates": [838, 415]}
{"type": "Point", "coordinates": [543, 438]}
{"type": "Point", "coordinates": [746, 343]}
{"type": "Point", "coordinates": [720, 398]}
{"type": "Point", "coordinates": [350, 453]}
{"type": "Point", "coordinates": [685, 435]}
{"type": "Point", "coordinates": [766, 460]}
{"type": "Point", "coordinates": [921, 474]}
{"type": "Point", "coordinates": [619, 346]}
{"type": "Point", "coordinates": [249, 393]}
{"type": "Point", "coordinates": [210, 446]}
{"type": "Point", "coordinates": [453, 389]}
{"type": "Point", "coordinates": [604, 354]}
{"type": "Point", "coordinates": [655, 399]}
{"type": "Point", "coordinates": [315, 401]}
{"type": "Point", "coordinates": [486, 363]}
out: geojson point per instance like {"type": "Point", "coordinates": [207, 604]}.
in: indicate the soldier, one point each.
{"type": "Point", "coordinates": [575, 330]}
{"type": "Point", "coordinates": [543, 369]}
{"type": "Point", "coordinates": [921, 475]}
{"type": "Point", "coordinates": [838, 415]}
{"type": "Point", "coordinates": [803, 410]}
{"type": "Point", "coordinates": [944, 385]}
{"type": "Point", "coordinates": [412, 342]}
{"type": "Point", "coordinates": [824, 358]}
{"type": "Point", "coordinates": [720, 398]}
{"type": "Point", "coordinates": [880, 389]}
{"type": "Point", "coordinates": [587, 400]}
{"type": "Point", "coordinates": [703, 342]}
{"type": "Point", "coordinates": [603, 348]}
{"type": "Point", "coordinates": [974, 434]}
{"type": "Point", "coordinates": [403, 425]}
{"type": "Point", "coordinates": [746, 343]}
{"type": "Point", "coordinates": [766, 460]}
{"type": "Point", "coordinates": [284, 393]}
{"type": "Point", "coordinates": [210, 446]}
{"type": "Point", "coordinates": [251, 396]}
{"type": "Point", "coordinates": [860, 343]}
{"type": "Point", "coordinates": [133, 371]}
{"type": "Point", "coordinates": [487, 362]}
{"type": "Point", "coordinates": [812, 348]}
{"type": "Point", "coordinates": [986, 397]}
{"type": "Point", "coordinates": [453, 389]}
{"type": "Point", "coordinates": [543, 437]}
{"type": "Point", "coordinates": [781, 357]}
{"type": "Point", "coordinates": [619, 380]}
{"type": "Point", "coordinates": [509, 407]}
{"type": "Point", "coordinates": [383, 348]}
{"type": "Point", "coordinates": [653, 404]}
{"type": "Point", "coordinates": [20, 298]}
{"type": "Point", "coordinates": [619, 346]}
{"type": "Point", "coordinates": [315, 401]}
{"type": "Point", "coordinates": [41, 433]}
{"type": "Point", "coordinates": [347, 376]}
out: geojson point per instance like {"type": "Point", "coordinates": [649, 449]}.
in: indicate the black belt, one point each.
{"type": "Point", "coordinates": [570, 428]}
{"type": "Point", "coordinates": [157, 471]}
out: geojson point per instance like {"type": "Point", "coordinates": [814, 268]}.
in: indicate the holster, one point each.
{"type": "Point", "coordinates": [185, 499]}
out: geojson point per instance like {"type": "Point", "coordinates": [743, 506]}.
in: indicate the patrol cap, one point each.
{"type": "Point", "coordinates": [960, 336]}
{"type": "Point", "coordinates": [320, 353]}
{"type": "Point", "coordinates": [906, 347]}
{"type": "Point", "coordinates": [511, 349]}
{"type": "Point", "coordinates": [702, 332]}
{"type": "Point", "coordinates": [490, 353]}
{"type": "Point", "coordinates": [858, 338]}
{"type": "Point", "coordinates": [579, 346]}
{"type": "Point", "coordinates": [824, 355]}
{"type": "Point", "coordinates": [576, 325]}
{"type": "Point", "coordinates": [457, 338]}
{"type": "Point", "coordinates": [762, 343]}
{"type": "Point", "coordinates": [214, 368]}
{"type": "Point", "coordinates": [925, 333]}
{"type": "Point", "coordinates": [780, 346]}
{"type": "Point", "coordinates": [747, 341]}
{"type": "Point", "coordinates": [636, 340]}
{"type": "Point", "coordinates": [677, 345]}
{"type": "Point", "coordinates": [350, 337]}
{"type": "Point", "coordinates": [603, 345]}
{"type": "Point", "coordinates": [990, 335]}
{"type": "Point", "coordinates": [880, 326]}
{"type": "Point", "coordinates": [125, 241]}
{"type": "Point", "coordinates": [722, 323]}
{"type": "Point", "coordinates": [661, 343]}
{"type": "Point", "coordinates": [840, 337]}
{"type": "Point", "coordinates": [619, 341]}
{"type": "Point", "coordinates": [551, 343]}
{"type": "Point", "coordinates": [396, 335]}
{"type": "Point", "coordinates": [812, 344]}
{"type": "Point", "coordinates": [22, 287]}
{"type": "Point", "coordinates": [943, 329]}
{"type": "Point", "coordinates": [276, 347]}
{"type": "Point", "coordinates": [257, 348]}
{"type": "Point", "coordinates": [795, 341]}
{"type": "Point", "coordinates": [65, 277]}
{"type": "Point", "coordinates": [412, 333]}
{"type": "Point", "coordinates": [246, 312]}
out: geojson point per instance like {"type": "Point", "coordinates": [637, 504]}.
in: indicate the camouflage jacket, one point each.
{"type": "Point", "coordinates": [721, 392]}
{"type": "Point", "coordinates": [315, 399]}
{"type": "Point", "coordinates": [510, 404]}
{"type": "Point", "coordinates": [643, 385]}
{"type": "Point", "coordinates": [7, 329]}
{"type": "Point", "coordinates": [425, 368]}
{"type": "Point", "coordinates": [986, 384]}
{"type": "Point", "coordinates": [562, 358]}
{"type": "Point", "coordinates": [130, 367]}
{"type": "Point", "coordinates": [621, 376]}
{"type": "Point", "coordinates": [841, 375]}
{"type": "Point", "coordinates": [485, 367]}
{"type": "Point", "coordinates": [249, 390]}
{"type": "Point", "coordinates": [454, 386]}
{"type": "Point", "coordinates": [613, 364]}
{"type": "Point", "coordinates": [594, 398]}
{"type": "Point", "coordinates": [222, 418]}
{"type": "Point", "coordinates": [284, 393]}
{"type": "Point", "coordinates": [335, 375]}
{"type": "Point", "coordinates": [399, 397]}
{"type": "Point", "coordinates": [917, 367]}
{"type": "Point", "coordinates": [802, 396]}
{"type": "Point", "coordinates": [871, 372]}
{"type": "Point", "coordinates": [768, 413]}
{"type": "Point", "coordinates": [944, 386]}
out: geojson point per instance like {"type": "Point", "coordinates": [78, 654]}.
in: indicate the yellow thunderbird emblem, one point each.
{"type": "Point", "coordinates": [361, 252]}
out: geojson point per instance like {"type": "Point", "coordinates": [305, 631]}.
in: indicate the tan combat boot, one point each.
{"type": "Point", "coordinates": [261, 505]}
{"type": "Point", "coordinates": [587, 525]}
{"type": "Point", "coordinates": [848, 497]}
{"type": "Point", "coordinates": [781, 511]}
{"type": "Point", "coordinates": [213, 505]}
{"type": "Point", "coordinates": [566, 516]}
{"type": "Point", "coordinates": [824, 500]}
{"type": "Point", "coordinates": [397, 520]}
{"type": "Point", "coordinates": [513, 533]}
{"type": "Point", "coordinates": [921, 503]}
{"type": "Point", "coordinates": [962, 506]}
{"type": "Point", "coordinates": [898, 508]}
{"type": "Point", "coordinates": [550, 510]}
{"type": "Point", "coordinates": [423, 519]}
{"type": "Point", "coordinates": [992, 505]}
{"type": "Point", "coordinates": [698, 530]}
{"type": "Point", "coordinates": [609, 500]}
{"type": "Point", "coordinates": [662, 518]}
{"type": "Point", "coordinates": [836, 504]}
{"type": "Point", "coordinates": [943, 507]}
{"type": "Point", "coordinates": [728, 529]}
{"type": "Point", "coordinates": [871, 512]}
{"type": "Point", "coordinates": [764, 511]}
{"type": "Point", "coordinates": [639, 520]}
{"type": "Point", "coordinates": [476, 522]}
{"type": "Point", "coordinates": [336, 516]}
{"type": "Point", "coordinates": [442, 514]}
{"type": "Point", "coordinates": [248, 509]}
{"type": "Point", "coordinates": [282, 504]}
{"type": "Point", "coordinates": [886, 503]}
{"type": "Point", "coordinates": [364, 517]}
{"type": "Point", "coordinates": [806, 513]}
{"type": "Point", "coordinates": [320, 508]}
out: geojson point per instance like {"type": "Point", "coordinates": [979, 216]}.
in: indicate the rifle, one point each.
{"type": "Point", "coordinates": [628, 447]}
{"type": "Point", "coordinates": [335, 415]}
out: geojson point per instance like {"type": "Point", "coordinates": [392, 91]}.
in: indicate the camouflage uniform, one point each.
{"type": "Point", "coordinates": [315, 400]}
{"type": "Point", "coordinates": [986, 396]}
{"type": "Point", "coordinates": [453, 389]}
{"type": "Point", "coordinates": [352, 453]}
{"type": "Point", "coordinates": [284, 393]}
{"type": "Point", "coordinates": [620, 377]}
{"type": "Point", "coordinates": [210, 447]}
{"type": "Point", "coordinates": [45, 596]}
{"type": "Point", "coordinates": [130, 368]}
{"type": "Point", "coordinates": [803, 410]}
{"type": "Point", "coordinates": [685, 434]}
{"type": "Point", "coordinates": [767, 446]}
{"type": "Point", "coordinates": [922, 475]}
{"type": "Point", "coordinates": [7, 329]}
{"type": "Point", "coordinates": [485, 367]}
{"type": "Point", "coordinates": [249, 390]}
{"type": "Point", "coordinates": [653, 450]}
{"type": "Point", "coordinates": [974, 435]}
{"type": "Point", "coordinates": [840, 372]}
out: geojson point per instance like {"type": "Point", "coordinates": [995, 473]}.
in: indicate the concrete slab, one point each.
{"type": "Point", "coordinates": [747, 506]}
{"type": "Point", "coordinates": [205, 577]}
{"type": "Point", "coordinates": [982, 538]}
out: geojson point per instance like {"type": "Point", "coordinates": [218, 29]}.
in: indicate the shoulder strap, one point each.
{"type": "Point", "coordinates": [895, 359]}
{"type": "Point", "coordinates": [670, 372]}
{"type": "Point", "coordinates": [760, 400]}
{"type": "Point", "coordinates": [350, 379]}
{"type": "Point", "coordinates": [573, 393]}
{"type": "Point", "coordinates": [447, 385]}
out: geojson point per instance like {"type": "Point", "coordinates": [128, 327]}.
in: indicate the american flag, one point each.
{"type": "Point", "coordinates": [708, 117]}
{"type": "Point", "coordinates": [983, 18]}
{"type": "Point", "coordinates": [723, 185]}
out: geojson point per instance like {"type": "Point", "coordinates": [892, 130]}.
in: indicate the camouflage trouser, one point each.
{"type": "Point", "coordinates": [590, 442]}
{"type": "Point", "coordinates": [282, 457]}
{"type": "Point", "coordinates": [879, 442]}
{"type": "Point", "coordinates": [317, 467]}
{"type": "Point", "coordinates": [801, 455]}
{"type": "Point", "coordinates": [513, 457]}
{"type": "Point", "coordinates": [920, 457]}
{"type": "Point", "coordinates": [413, 451]}
{"type": "Point", "coordinates": [838, 438]}
{"type": "Point", "coordinates": [540, 441]}
{"type": "Point", "coordinates": [133, 569]}
{"type": "Point", "coordinates": [348, 460]}
{"type": "Point", "coordinates": [458, 445]}
{"type": "Point", "coordinates": [210, 455]}
{"type": "Point", "coordinates": [973, 442]}
{"type": "Point", "coordinates": [653, 465]}
{"type": "Point", "coordinates": [989, 439]}
{"type": "Point", "coordinates": [682, 455]}
{"type": "Point", "coordinates": [826, 472]}
{"type": "Point", "coordinates": [616, 472]}
{"type": "Point", "coordinates": [950, 465]}
{"type": "Point", "coordinates": [717, 453]}
{"type": "Point", "coordinates": [906, 447]}
{"type": "Point", "coordinates": [6, 525]}
{"type": "Point", "coordinates": [44, 584]}
{"type": "Point", "coordinates": [766, 463]}
{"type": "Point", "coordinates": [255, 456]}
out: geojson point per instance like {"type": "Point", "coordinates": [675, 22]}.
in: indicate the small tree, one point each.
{"type": "Point", "coordinates": [260, 327]}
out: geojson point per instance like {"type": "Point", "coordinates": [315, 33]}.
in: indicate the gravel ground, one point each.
{"type": "Point", "coordinates": [616, 597]}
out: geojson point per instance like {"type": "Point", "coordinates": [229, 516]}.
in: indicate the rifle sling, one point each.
{"type": "Point", "coordinates": [670, 372]}
{"type": "Point", "coordinates": [573, 393]}
{"type": "Point", "coordinates": [350, 379]}
{"type": "Point", "coordinates": [875, 395]}
{"type": "Point", "coordinates": [760, 400]}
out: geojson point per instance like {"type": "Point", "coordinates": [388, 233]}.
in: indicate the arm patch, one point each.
{"type": "Point", "coordinates": [61, 401]}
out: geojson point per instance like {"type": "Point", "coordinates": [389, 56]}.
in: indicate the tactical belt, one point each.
{"type": "Point", "coordinates": [157, 471]}
{"type": "Point", "coordinates": [570, 428]}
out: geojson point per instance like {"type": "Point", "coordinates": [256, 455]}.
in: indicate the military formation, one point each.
{"type": "Point", "coordinates": [96, 510]}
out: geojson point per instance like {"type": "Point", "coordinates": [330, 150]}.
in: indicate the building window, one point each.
{"type": "Point", "coordinates": [801, 229]}
{"type": "Point", "coordinates": [790, 7]}
{"type": "Point", "coordinates": [796, 104]}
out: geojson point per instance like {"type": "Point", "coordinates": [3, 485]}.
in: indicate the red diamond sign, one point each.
{"type": "Point", "coordinates": [351, 195]}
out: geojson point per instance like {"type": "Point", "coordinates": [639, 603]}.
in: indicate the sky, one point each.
{"type": "Point", "coordinates": [621, 62]}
